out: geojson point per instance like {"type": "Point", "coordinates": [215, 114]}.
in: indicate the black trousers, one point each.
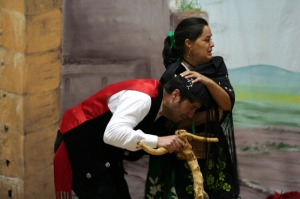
{"type": "Point", "coordinates": [112, 185]}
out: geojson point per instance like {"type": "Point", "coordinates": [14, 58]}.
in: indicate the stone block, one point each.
{"type": "Point", "coordinates": [43, 31]}
{"type": "Point", "coordinates": [41, 110]}
{"type": "Point", "coordinates": [42, 72]}
{"type": "Point", "coordinates": [11, 71]}
{"type": "Point", "coordinates": [1, 26]}
{"type": "Point", "coordinates": [12, 115]}
{"type": "Point", "coordinates": [16, 5]}
{"type": "Point", "coordinates": [38, 152]}
{"type": "Point", "coordinates": [11, 188]}
{"type": "Point", "coordinates": [11, 154]}
{"type": "Point", "coordinates": [40, 185]}
{"type": "Point", "coordinates": [40, 6]}
{"type": "Point", "coordinates": [13, 30]}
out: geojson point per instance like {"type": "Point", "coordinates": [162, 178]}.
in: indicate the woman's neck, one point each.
{"type": "Point", "coordinates": [188, 64]}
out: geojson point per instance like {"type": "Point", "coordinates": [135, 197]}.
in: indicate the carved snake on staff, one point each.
{"type": "Point", "coordinates": [188, 154]}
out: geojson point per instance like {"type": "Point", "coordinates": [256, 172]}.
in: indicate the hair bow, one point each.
{"type": "Point", "coordinates": [172, 39]}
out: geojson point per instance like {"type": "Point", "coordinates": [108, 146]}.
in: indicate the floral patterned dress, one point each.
{"type": "Point", "coordinates": [170, 178]}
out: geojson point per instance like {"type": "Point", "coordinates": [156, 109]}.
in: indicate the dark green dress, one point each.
{"type": "Point", "coordinates": [170, 178]}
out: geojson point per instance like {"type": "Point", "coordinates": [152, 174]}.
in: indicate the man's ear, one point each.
{"type": "Point", "coordinates": [176, 95]}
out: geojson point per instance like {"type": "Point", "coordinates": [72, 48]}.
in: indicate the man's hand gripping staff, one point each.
{"type": "Point", "coordinates": [187, 153]}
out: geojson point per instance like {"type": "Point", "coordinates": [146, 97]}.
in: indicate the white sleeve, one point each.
{"type": "Point", "coordinates": [129, 109]}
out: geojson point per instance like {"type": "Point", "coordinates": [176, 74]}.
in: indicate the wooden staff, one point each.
{"type": "Point", "coordinates": [187, 153]}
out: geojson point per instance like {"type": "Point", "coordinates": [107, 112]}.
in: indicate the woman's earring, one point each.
{"type": "Point", "coordinates": [190, 52]}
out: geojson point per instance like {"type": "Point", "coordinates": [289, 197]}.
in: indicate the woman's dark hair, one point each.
{"type": "Point", "coordinates": [189, 28]}
{"type": "Point", "coordinates": [192, 92]}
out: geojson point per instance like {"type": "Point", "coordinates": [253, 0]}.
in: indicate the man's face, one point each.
{"type": "Point", "coordinates": [178, 111]}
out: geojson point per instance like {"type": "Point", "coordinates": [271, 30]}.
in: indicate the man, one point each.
{"type": "Point", "coordinates": [96, 135]}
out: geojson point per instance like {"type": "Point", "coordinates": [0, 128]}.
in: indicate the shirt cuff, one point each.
{"type": "Point", "coordinates": [151, 140]}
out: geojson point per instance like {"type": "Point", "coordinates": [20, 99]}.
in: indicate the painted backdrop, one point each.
{"type": "Point", "coordinates": [106, 41]}
{"type": "Point", "coordinates": [259, 40]}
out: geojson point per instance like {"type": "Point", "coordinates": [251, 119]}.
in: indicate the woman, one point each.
{"type": "Point", "coordinates": [188, 52]}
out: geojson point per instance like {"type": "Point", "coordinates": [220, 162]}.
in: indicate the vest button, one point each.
{"type": "Point", "coordinates": [107, 164]}
{"type": "Point", "coordinates": [88, 175]}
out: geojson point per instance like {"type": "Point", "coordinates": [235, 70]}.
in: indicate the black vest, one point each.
{"type": "Point", "coordinates": [87, 152]}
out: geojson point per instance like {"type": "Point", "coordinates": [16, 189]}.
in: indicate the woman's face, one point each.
{"type": "Point", "coordinates": [201, 52]}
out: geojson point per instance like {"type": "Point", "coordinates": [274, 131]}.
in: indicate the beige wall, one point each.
{"type": "Point", "coordinates": [30, 48]}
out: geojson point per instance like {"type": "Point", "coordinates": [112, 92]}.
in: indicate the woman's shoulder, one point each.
{"type": "Point", "coordinates": [218, 61]}
{"type": "Point", "coordinates": [219, 64]}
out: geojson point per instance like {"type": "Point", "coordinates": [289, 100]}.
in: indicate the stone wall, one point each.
{"type": "Point", "coordinates": [30, 51]}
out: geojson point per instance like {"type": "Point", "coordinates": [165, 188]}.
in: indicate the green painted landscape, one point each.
{"type": "Point", "coordinates": [265, 95]}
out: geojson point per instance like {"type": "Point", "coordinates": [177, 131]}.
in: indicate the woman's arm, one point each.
{"type": "Point", "coordinates": [220, 96]}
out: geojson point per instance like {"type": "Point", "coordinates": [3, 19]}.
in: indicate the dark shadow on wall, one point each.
{"type": "Point", "coordinates": [109, 41]}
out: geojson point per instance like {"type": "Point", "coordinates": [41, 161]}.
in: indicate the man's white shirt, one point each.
{"type": "Point", "coordinates": [129, 108]}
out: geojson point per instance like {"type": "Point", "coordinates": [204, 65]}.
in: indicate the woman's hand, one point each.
{"type": "Point", "coordinates": [195, 75]}
{"type": "Point", "coordinates": [217, 92]}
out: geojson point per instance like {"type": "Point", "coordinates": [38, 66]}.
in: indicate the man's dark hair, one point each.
{"type": "Point", "coordinates": [188, 90]}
